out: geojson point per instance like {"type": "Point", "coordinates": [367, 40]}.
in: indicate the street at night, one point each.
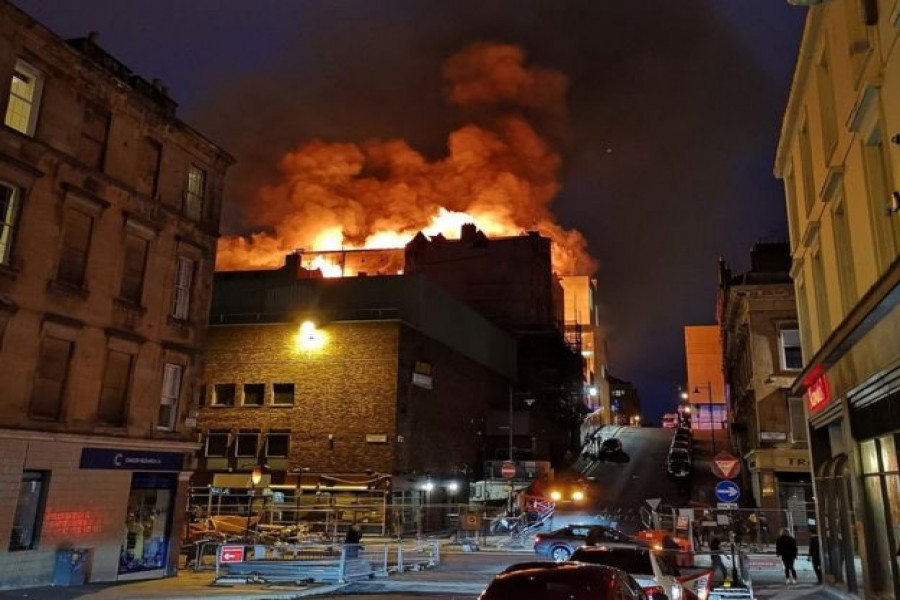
{"type": "Point", "coordinates": [457, 299]}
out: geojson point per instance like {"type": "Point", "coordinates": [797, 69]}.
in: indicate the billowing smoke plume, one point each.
{"type": "Point", "coordinates": [498, 171]}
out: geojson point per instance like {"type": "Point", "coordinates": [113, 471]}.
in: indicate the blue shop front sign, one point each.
{"type": "Point", "coordinates": [130, 460]}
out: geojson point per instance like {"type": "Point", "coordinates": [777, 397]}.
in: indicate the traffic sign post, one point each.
{"type": "Point", "coordinates": [725, 466]}
{"type": "Point", "coordinates": [228, 554]}
{"type": "Point", "coordinates": [508, 470]}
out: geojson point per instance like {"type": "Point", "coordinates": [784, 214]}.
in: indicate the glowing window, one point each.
{"type": "Point", "coordinates": [24, 98]}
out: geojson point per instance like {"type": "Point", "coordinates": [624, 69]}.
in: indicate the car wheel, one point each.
{"type": "Point", "coordinates": [560, 553]}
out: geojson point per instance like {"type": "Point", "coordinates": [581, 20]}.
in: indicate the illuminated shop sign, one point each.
{"type": "Point", "coordinates": [818, 393]}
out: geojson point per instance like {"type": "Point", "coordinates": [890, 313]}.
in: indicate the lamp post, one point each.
{"type": "Point", "coordinates": [712, 422]}
{"type": "Point", "coordinates": [255, 478]}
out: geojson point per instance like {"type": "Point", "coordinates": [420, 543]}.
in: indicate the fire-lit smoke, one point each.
{"type": "Point", "coordinates": [498, 173]}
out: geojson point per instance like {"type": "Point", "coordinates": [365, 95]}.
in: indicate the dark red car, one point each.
{"type": "Point", "coordinates": [564, 581]}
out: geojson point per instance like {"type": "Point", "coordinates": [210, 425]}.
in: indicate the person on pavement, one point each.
{"type": "Point", "coordinates": [351, 542]}
{"type": "Point", "coordinates": [814, 556]}
{"type": "Point", "coordinates": [715, 548]}
{"type": "Point", "coordinates": [786, 548]}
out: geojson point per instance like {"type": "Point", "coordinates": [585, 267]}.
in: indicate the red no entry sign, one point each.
{"type": "Point", "coordinates": [508, 470]}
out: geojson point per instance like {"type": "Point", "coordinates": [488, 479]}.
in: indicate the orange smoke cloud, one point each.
{"type": "Point", "coordinates": [501, 174]}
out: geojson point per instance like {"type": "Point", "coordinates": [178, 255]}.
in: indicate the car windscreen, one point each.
{"type": "Point", "coordinates": [522, 585]}
{"type": "Point", "coordinates": [634, 562]}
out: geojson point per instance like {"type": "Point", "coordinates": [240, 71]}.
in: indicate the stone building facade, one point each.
{"type": "Point", "coordinates": [109, 210]}
{"type": "Point", "coordinates": [762, 356]}
{"type": "Point", "coordinates": [839, 158]}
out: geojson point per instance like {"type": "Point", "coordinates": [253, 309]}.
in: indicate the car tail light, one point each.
{"type": "Point", "coordinates": [655, 591]}
{"type": "Point", "coordinates": [537, 539]}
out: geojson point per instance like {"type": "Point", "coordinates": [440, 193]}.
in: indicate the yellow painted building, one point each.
{"type": "Point", "coordinates": [839, 159]}
{"type": "Point", "coordinates": [583, 326]}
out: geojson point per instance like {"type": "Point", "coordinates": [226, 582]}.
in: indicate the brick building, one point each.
{"type": "Point", "coordinates": [394, 382]}
{"type": "Point", "coordinates": [109, 209]}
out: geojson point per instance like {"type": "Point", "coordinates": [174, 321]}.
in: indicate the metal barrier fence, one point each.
{"type": "Point", "coordinates": [754, 529]}
{"type": "Point", "coordinates": [293, 563]}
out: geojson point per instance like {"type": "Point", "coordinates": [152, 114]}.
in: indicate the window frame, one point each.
{"type": "Point", "coordinates": [783, 328]}
{"type": "Point", "coordinates": [23, 68]}
{"type": "Point", "coordinates": [276, 395]}
{"type": "Point", "coordinates": [61, 383]}
{"type": "Point", "coordinates": [169, 395]}
{"type": "Point", "coordinates": [132, 278]}
{"type": "Point", "coordinates": [217, 434]}
{"type": "Point", "coordinates": [262, 395]}
{"type": "Point", "coordinates": [120, 394]}
{"type": "Point", "coordinates": [214, 400]}
{"type": "Point", "coordinates": [9, 221]}
{"type": "Point", "coordinates": [71, 268]}
{"type": "Point", "coordinates": [183, 287]}
{"type": "Point", "coordinates": [37, 520]}
{"type": "Point", "coordinates": [243, 435]}
{"type": "Point", "coordinates": [195, 192]}
{"type": "Point", "coordinates": [286, 435]}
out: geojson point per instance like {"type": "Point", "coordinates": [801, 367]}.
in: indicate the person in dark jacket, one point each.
{"type": "Point", "coordinates": [715, 549]}
{"type": "Point", "coordinates": [786, 548]}
{"type": "Point", "coordinates": [814, 557]}
{"type": "Point", "coordinates": [351, 542]}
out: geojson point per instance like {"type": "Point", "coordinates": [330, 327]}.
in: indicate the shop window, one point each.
{"type": "Point", "coordinates": [26, 524]}
{"type": "Point", "coordinates": [184, 277]}
{"type": "Point", "coordinates": [217, 443]}
{"type": "Point", "coordinates": [148, 523]}
{"type": "Point", "coordinates": [168, 401]}
{"type": "Point", "coordinates": [246, 444]}
{"type": "Point", "coordinates": [283, 394]}
{"type": "Point", "coordinates": [223, 394]}
{"type": "Point", "coordinates": [195, 193]}
{"type": "Point", "coordinates": [24, 98]}
{"type": "Point", "coordinates": [76, 242]}
{"type": "Point", "coordinates": [278, 445]}
{"type": "Point", "coordinates": [790, 351]}
{"type": "Point", "coordinates": [254, 394]}
{"type": "Point", "coordinates": [9, 209]}
{"type": "Point", "coordinates": [50, 379]}
{"type": "Point", "coordinates": [114, 391]}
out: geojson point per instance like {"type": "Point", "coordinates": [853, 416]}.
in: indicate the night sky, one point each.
{"type": "Point", "coordinates": [674, 110]}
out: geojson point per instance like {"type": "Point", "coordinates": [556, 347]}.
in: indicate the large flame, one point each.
{"type": "Point", "coordinates": [499, 174]}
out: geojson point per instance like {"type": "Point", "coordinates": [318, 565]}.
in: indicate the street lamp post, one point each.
{"type": "Point", "coordinates": [712, 421]}
{"type": "Point", "coordinates": [255, 478]}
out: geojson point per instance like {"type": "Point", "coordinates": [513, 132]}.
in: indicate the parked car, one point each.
{"type": "Point", "coordinates": [682, 443]}
{"type": "Point", "coordinates": [654, 571]}
{"type": "Point", "coordinates": [678, 468]}
{"type": "Point", "coordinates": [684, 431]}
{"type": "Point", "coordinates": [680, 454]}
{"type": "Point", "coordinates": [565, 581]}
{"type": "Point", "coordinates": [561, 543]}
{"type": "Point", "coordinates": [670, 421]}
{"type": "Point", "coordinates": [610, 449]}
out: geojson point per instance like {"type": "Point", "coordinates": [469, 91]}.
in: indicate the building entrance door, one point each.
{"type": "Point", "coordinates": [145, 533]}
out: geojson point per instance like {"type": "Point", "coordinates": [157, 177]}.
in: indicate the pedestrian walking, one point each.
{"type": "Point", "coordinates": [715, 548]}
{"type": "Point", "coordinates": [786, 548]}
{"type": "Point", "coordinates": [814, 555]}
{"type": "Point", "coordinates": [351, 542]}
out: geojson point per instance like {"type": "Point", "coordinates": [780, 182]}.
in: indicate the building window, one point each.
{"type": "Point", "coordinates": [50, 379]}
{"type": "Point", "coordinates": [114, 391]}
{"type": "Point", "coordinates": [789, 348]}
{"type": "Point", "coordinates": [885, 225]}
{"type": "Point", "coordinates": [223, 394]}
{"type": "Point", "coordinates": [183, 280]}
{"type": "Point", "coordinates": [790, 192]}
{"type": "Point", "coordinates": [217, 443]}
{"type": "Point", "coordinates": [148, 170]}
{"type": "Point", "coordinates": [134, 265]}
{"type": "Point", "coordinates": [94, 133]}
{"type": "Point", "coordinates": [9, 208]}
{"type": "Point", "coordinates": [168, 401]}
{"type": "Point", "coordinates": [283, 394]}
{"type": "Point", "coordinates": [806, 167]}
{"type": "Point", "coordinates": [843, 250]}
{"type": "Point", "coordinates": [24, 98]}
{"type": "Point", "coordinates": [26, 524]}
{"type": "Point", "coordinates": [195, 193]}
{"type": "Point", "coordinates": [278, 444]}
{"type": "Point", "coordinates": [247, 444]}
{"type": "Point", "coordinates": [821, 291]}
{"type": "Point", "coordinates": [799, 432]}
{"type": "Point", "coordinates": [828, 116]}
{"type": "Point", "coordinates": [254, 394]}
{"type": "Point", "coordinates": [803, 313]}
{"type": "Point", "coordinates": [76, 242]}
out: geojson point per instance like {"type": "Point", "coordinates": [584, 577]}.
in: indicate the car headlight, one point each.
{"type": "Point", "coordinates": [555, 496]}
{"type": "Point", "coordinates": [577, 495]}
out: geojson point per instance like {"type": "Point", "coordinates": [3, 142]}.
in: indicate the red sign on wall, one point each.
{"type": "Point", "coordinates": [818, 392]}
{"type": "Point", "coordinates": [231, 554]}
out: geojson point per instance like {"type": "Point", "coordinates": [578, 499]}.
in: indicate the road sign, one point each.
{"type": "Point", "coordinates": [231, 554]}
{"type": "Point", "coordinates": [727, 505]}
{"type": "Point", "coordinates": [508, 470]}
{"type": "Point", "coordinates": [725, 466]}
{"type": "Point", "coordinates": [653, 502]}
{"type": "Point", "coordinates": [727, 491]}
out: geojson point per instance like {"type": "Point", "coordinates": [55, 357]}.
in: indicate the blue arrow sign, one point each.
{"type": "Point", "coordinates": [727, 491]}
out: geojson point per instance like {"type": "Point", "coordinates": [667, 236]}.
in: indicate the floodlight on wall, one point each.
{"type": "Point", "coordinates": [309, 336]}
